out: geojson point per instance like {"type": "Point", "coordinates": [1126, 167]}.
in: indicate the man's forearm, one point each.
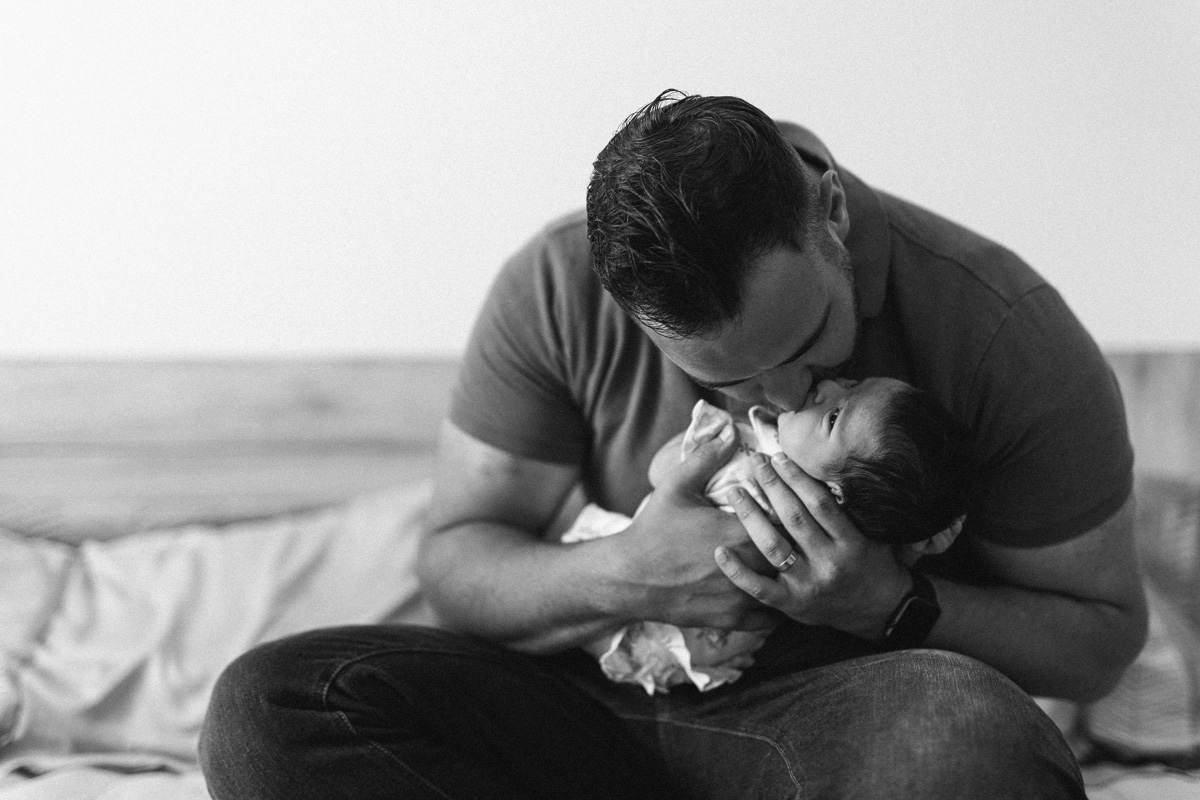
{"type": "Point", "coordinates": [1062, 620]}
{"type": "Point", "coordinates": [499, 583]}
{"type": "Point", "coordinates": [1051, 645]}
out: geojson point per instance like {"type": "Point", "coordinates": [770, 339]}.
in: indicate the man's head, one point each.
{"type": "Point", "coordinates": [710, 230]}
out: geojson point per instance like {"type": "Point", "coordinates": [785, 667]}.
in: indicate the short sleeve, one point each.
{"type": "Point", "coordinates": [512, 390]}
{"type": "Point", "coordinates": [1051, 422]}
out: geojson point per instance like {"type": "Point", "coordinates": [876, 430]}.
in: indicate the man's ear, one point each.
{"type": "Point", "coordinates": [939, 542]}
{"type": "Point", "coordinates": [833, 204]}
{"type": "Point", "coordinates": [836, 490]}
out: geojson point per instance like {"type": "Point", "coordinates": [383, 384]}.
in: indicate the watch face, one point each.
{"type": "Point", "coordinates": [912, 622]}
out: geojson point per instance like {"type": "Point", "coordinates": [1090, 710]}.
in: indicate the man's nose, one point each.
{"type": "Point", "coordinates": [829, 389]}
{"type": "Point", "coordinates": [786, 388]}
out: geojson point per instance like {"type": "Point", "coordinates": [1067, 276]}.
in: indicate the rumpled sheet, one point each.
{"type": "Point", "coordinates": [108, 651]}
{"type": "Point", "coordinates": [111, 650]}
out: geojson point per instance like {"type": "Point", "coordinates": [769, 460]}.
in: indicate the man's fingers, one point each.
{"type": "Point", "coordinates": [763, 589]}
{"type": "Point", "coordinates": [805, 505]}
{"type": "Point", "coordinates": [777, 549]}
{"type": "Point", "coordinates": [788, 506]}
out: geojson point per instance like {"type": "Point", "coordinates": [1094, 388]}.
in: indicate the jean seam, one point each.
{"type": "Point", "coordinates": [377, 747]}
{"type": "Point", "coordinates": [374, 745]}
{"type": "Point", "coordinates": [779, 751]}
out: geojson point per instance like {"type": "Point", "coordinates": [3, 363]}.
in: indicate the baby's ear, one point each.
{"type": "Point", "coordinates": [836, 490]}
{"type": "Point", "coordinates": [940, 541]}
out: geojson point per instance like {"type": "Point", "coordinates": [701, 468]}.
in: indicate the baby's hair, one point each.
{"type": "Point", "coordinates": [918, 480]}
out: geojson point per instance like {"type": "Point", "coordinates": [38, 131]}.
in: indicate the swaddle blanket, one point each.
{"type": "Point", "coordinates": [756, 434]}
{"type": "Point", "coordinates": [658, 655]}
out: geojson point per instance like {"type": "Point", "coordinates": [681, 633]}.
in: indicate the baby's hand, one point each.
{"type": "Point", "coordinates": [714, 647]}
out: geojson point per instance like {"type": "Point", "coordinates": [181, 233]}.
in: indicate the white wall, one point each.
{"type": "Point", "coordinates": [245, 178]}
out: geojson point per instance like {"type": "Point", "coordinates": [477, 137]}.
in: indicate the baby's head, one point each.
{"type": "Point", "coordinates": [890, 453]}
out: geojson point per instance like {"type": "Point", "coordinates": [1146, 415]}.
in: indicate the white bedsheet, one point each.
{"type": "Point", "coordinates": [110, 650]}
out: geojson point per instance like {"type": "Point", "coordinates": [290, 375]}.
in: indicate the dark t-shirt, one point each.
{"type": "Point", "coordinates": [555, 371]}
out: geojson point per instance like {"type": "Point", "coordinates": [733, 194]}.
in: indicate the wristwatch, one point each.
{"type": "Point", "coordinates": [910, 624]}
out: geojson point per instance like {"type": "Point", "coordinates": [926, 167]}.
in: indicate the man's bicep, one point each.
{"type": "Point", "coordinates": [476, 482]}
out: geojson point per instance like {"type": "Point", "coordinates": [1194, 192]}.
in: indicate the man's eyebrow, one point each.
{"type": "Point", "coordinates": [804, 347]}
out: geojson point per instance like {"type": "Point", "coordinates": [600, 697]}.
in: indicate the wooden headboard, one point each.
{"type": "Point", "coordinates": [94, 449]}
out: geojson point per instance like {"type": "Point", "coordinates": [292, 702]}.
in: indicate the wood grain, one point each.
{"type": "Point", "coordinates": [100, 448]}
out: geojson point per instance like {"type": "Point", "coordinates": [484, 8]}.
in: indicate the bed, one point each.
{"type": "Point", "coordinates": [159, 517]}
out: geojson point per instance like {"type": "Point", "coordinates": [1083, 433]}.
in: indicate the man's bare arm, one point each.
{"type": "Point", "coordinates": [1061, 620]}
{"type": "Point", "coordinates": [487, 570]}
{"type": "Point", "coordinates": [1066, 619]}
{"type": "Point", "coordinates": [483, 565]}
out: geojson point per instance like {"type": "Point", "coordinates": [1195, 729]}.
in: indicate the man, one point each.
{"type": "Point", "coordinates": [734, 260]}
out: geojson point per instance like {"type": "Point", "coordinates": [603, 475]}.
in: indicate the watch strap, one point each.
{"type": "Point", "coordinates": [914, 617]}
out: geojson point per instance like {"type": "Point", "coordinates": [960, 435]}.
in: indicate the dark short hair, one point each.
{"type": "Point", "coordinates": [918, 480]}
{"type": "Point", "coordinates": [688, 191]}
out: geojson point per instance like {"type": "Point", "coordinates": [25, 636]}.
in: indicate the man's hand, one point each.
{"type": "Point", "coordinates": [667, 550]}
{"type": "Point", "coordinates": [838, 578]}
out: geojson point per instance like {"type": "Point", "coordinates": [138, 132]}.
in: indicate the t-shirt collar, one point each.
{"type": "Point", "coordinates": [868, 242]}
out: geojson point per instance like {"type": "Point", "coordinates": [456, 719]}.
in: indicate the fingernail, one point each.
{"type": "Point", "coordinates": [702, 435]}
{"type": "Point", "coordinates": [780, 458]}
{"type": "Point", "coordinates": [727, 433]}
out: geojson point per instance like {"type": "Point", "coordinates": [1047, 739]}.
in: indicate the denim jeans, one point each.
{"type": "Point", "coordinates": [410, 712]}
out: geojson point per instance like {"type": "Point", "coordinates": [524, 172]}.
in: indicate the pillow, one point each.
{"type": "Point", "coordinates": [1153, 714]}
{"type": "Point", "coordinates": [32, 572]}
{"type": "Point", "coordinates": [139, 628]}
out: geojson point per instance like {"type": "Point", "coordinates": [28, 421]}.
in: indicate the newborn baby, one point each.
{"type": "Point", "coordinates": [888, 452]}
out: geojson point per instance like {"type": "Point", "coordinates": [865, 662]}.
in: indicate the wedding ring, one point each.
{"type": "Point", "coordinates": [787, 562]}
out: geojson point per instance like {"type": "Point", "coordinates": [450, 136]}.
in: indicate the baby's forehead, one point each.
{"type": "Point", "coordinates": [872, 399]}
{"type": "Point", "coordinates": [881, 386]}
{"type": "Point", "coordinates": [874, 395]}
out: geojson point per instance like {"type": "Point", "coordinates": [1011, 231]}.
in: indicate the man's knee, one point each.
{"type": "Point", "coordinates": [238, 708]}
{"type": "Point", "coordinates": [274, 694]}
{"type": "Point", "coordinates": [948, 720]}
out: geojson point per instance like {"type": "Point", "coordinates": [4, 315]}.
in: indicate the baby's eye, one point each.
{"type": "Point", "coordinates": [833, 415]}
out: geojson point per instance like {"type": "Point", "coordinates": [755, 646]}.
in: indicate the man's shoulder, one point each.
{"type": "Point", "coordinates": [553, 262]}
{"type": "Point", "coordinates": [565, 239]}
{"type": "Point", "coordinates": [927, 244]}
{"type": "Point", "coordinates": [572, 225]}
{"type": "Point", "coordinates": [559, 249]}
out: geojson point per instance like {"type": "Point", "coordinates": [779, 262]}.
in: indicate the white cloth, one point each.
{"type": "Point", "coordinates": [658, 655]}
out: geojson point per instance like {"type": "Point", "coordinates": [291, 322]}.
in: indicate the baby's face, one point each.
{"type": "Point", "coordinates": [839, 417]}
